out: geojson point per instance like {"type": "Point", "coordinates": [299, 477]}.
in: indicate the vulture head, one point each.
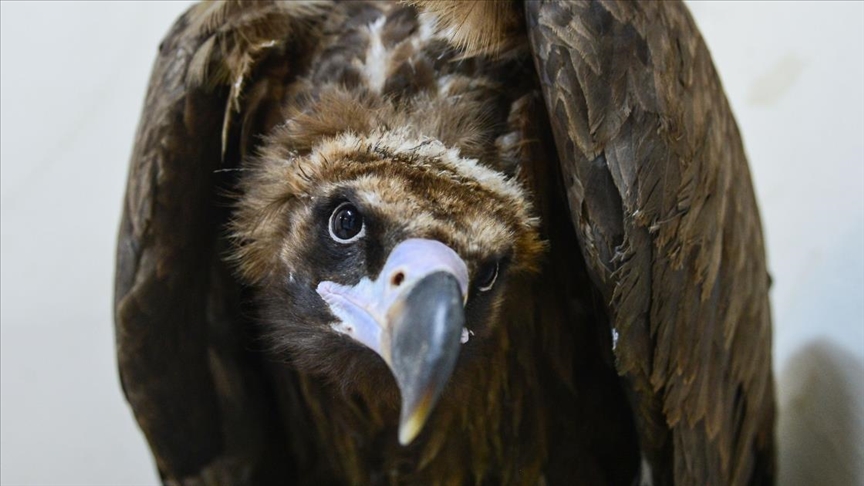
{"type": "Point", "coordinates": [381, 255]}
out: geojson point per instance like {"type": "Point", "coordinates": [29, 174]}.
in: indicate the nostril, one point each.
{"type": "Point", "coordinates": [397, 279]}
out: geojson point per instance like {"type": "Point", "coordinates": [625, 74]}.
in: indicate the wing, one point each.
{"type": "Point", "coordinates": [182, 354]}
{"type": "Point", "coordinates": [660, 195]}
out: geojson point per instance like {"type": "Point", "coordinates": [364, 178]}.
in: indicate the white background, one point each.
{"type": "Point", "coordinates": [72, 85]}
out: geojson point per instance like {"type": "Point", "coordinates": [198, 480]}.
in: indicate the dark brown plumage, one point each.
{"type": "Point", "coordinates": [579, 159]}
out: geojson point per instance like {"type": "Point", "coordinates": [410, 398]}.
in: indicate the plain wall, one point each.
{"type": "Point", "coordinates": [72, 82]}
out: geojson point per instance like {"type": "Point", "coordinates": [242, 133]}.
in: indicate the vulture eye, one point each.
{"type": "Point", "coordinates": [346, 223]}
{"type": "Point", "coordinates": [486, 276]}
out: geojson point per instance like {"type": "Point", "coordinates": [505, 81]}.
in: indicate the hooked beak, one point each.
{"type": "Point", "coordinates": [412, 315]}
{"type": "Point", "coordinates": [426, 329]}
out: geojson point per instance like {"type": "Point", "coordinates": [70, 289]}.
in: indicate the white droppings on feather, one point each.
{"type": "Point", "coordinates": [444, 83]}
{"type": "Point", "coordinates": [427, 28]}
{"type": "Point", "coordinates": [645, 476]}
{"type": "Point", "coordinates": [376, 57]}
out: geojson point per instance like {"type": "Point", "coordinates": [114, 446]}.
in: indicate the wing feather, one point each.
{"type": "Point", "coordinates": [659, 192]}
{"type": "Point", "coordinates": [182, 363]}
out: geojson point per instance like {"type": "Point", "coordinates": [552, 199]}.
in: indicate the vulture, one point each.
{"type": "Point", "coordinates": [444, 243]}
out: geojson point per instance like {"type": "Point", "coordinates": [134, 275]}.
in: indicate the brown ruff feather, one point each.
{"type": "Point", "coordinates": [478, 27]}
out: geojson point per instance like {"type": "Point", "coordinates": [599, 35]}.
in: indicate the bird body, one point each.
{"type": "Point", "coordinates": [378, 243]}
